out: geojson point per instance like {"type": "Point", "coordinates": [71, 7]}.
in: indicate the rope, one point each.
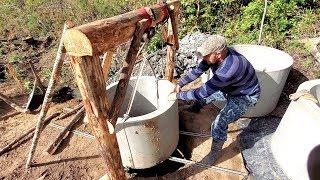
{"type": "Point", "coordinates": [262, 20]}
{"type": "Point", "coordinates": [135, 87]}
{"type": "Point", "coordinates": [126, 115]}
{"type": "Point", "coordinates": [157, 79]}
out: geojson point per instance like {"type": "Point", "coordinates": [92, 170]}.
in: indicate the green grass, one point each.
{"type": "Point", "coordinates": [28, 85]}
{"type": "Point", "coordinates": [15, 58]}
{"type": "Point", "coordinates": [43, 18]}
{"type": "Point", "coordinates": [46, 73]}
{"type": "Point", "coordinates": [317, 74]}
{"type": "Point", "coordinates": [308, 62]}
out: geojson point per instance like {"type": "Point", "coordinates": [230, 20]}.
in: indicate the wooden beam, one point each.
{"type": "Point", "coordinates": [170, 62]}
{"type": "Point", "coordinates": [65, 132]}
{"type": "Point", "coordinates": [107, 58]}
{"type": "Point", "coordinates": [77, 43]}
{"type": "Point", "coordinates": [109, 33]}
{"type": "Point", "coordinates": [171, 48]}
{"type": "Point", "coordinates": [125, 74]}
{"type": "Point", "coordinates": [173, 17]}
{"type": "Point", "coordinates": [13, 104]}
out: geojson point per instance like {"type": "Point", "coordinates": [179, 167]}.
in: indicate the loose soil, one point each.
{"type": "Point", "coordinates": [78, 157]}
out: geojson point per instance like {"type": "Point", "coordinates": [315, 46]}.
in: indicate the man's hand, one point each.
{"type": "Point", "coordinates": [172, 96]}
{"type": "Point", "coordinates": [177, 89]}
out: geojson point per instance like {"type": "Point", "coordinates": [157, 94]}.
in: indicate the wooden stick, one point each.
{"type": "Point", "coordinates": [65, 132]}
{"type": "Point", "coordinates": [39, 83]}
{"type": "Point", "coordinates": [28, 133]}
{"type": "Point", "coordinates": [107, 58]}
{"type": "Point", "coordinates": [49, 93]}
{"type": "Point", "coordinates": [125, 75]}
{"type": "Point", "coordinates": [70, 113]}
{"type": "Point", "coordinates": [13, 104]}
{"type": "Point", "coordinates": [9, 115]}
{"type": "Point", "coordinates": [14, 75]}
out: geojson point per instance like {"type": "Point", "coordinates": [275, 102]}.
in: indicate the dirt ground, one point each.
{"type": "Point", "coordinates": [79, 158]}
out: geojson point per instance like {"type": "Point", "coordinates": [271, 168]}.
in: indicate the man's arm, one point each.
{"type": "Point", "coordinates": [211, 86]}
{"type": "Point", "coordinates": [194, 73]}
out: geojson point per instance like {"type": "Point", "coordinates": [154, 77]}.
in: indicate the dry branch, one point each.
{"type": "Point", "coordinates": [65, 132]}
{"type": "Point", "coordinates": [28, 133]}
{"type": "Point", "coordinates": [14, 75]}
{"type": "Point", "coordinates": [13, 104]}
{"type": "Point", "coordinates": [70, 113]}
{"type": "Point", "coordinates": [39, 83]}
{"type": "Point", "coordinates": [9, 115]}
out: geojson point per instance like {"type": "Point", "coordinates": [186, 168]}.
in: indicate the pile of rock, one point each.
{"type": "Point", "coordinates": [185, 58]}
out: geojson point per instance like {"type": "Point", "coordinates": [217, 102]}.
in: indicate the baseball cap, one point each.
{"type": "Point", "coordinates": [214, 43]}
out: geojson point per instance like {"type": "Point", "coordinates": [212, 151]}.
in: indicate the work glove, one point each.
{"type": "Point", "coordinates": [172, 96]}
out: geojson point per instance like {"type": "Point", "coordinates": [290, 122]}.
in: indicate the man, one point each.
{"type": "Point", "coordinates": [234, 81]}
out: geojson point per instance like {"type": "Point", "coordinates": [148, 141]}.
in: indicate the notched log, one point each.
{"type": "Point", "coordinates": [76, 43]}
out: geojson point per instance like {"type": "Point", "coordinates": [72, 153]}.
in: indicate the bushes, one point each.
{"type": "Point", "coordinates": [43, 18]}
{"type": "Point", "coordinates": [240, 20]}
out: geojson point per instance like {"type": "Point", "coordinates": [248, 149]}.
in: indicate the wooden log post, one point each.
{"type": "Point", "coordinates": [91, 82]}
{"type": "Point", "coordinates": [126, 72]}
{"type": "Point", "coordinates": [173, 44]}
{"type": "Point", "coordinates": [89, 76]}
{"type": "Point", "coordinates": [106, 34]}
{"type": "Point", "coordinates": [107, 58]}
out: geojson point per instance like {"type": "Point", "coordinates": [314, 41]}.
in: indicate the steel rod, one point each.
{"type": "Point", "coordinates": [220, 169]}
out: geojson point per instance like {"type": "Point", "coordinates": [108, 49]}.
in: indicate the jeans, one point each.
{"type": "Point", "coordinates": [235, 107]}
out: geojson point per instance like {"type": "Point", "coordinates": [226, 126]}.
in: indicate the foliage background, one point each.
{"type": "Point", "coordinates": [239, 20]}
{"type": "Point", "coordinates": [287, 21]}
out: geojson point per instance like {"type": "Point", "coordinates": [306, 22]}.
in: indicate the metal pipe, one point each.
{"type": "Point", "coordinates": [219, 169]}
{"type": "Point", "coordinates": [83, 134]}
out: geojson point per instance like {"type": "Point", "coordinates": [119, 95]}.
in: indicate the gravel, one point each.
{"type": "Point", "coordinates": [185, 58]}
{"type": "Point", "coordinates": [255, 146]}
